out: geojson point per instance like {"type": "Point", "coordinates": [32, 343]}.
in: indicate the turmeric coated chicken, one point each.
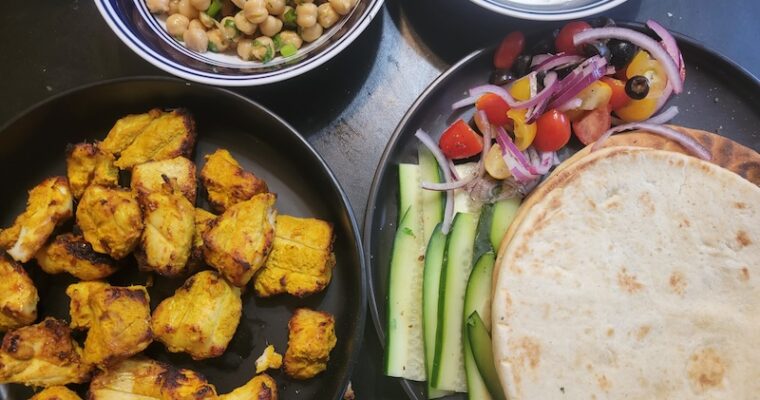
{"type": "Point", "coordinates": [301, 260]}
{"type": "Point", "coordinates": [169, 135]}
{"type": "Point", "coordinates": [72, 254]}
{"type": "Point", "coordinates": [126, 130]}
{"type": "Point", "coordinates": [201, 318]}
{"type": "Point", "coordinates": [240, 240]}
{"type": "Point", "coordinates": [204, 220]}
{"type": "Point", "coordinates": [269, 359]}
{"type": "Point", "coordinates": [167, 238]}
{"type": "Point", "coordinates": [165, 176]}
{"type": "Point", "coordinates": [18, 295]}
{"type": "Point", "coordinates": [227, 183]}
{"type": "Point", "coordinates": [311, 337]}
{"type": "Point", "coordinates": [50, 203]}
{"type": "Point", "coordinates": [118, 319]}
{"type": "Point", "coordinates": [56, 393]}
{"type": "Point", "coordinates": [261, 387]}
{"type": "Point", "coordinates": [86, 164]}
{"type": "Point", "coordinates": [110, 219]}
{"type": "Point", "coordinates": [42, 355]}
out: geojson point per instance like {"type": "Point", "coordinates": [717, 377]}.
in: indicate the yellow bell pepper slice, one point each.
{"type": "Point", "coordinates": [520, 89]}
{"type": "Point", "coordinates": [524, 133]}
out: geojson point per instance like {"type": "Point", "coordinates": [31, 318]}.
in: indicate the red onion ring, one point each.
{"type": "Point", "coordinates": [684, 140]}
{"type": "Point", "coordinates": [670, 45]}
{"type": "Point", "coordinates": [559, 61]}
{"type": "Point", "coordinates": [448, 213]}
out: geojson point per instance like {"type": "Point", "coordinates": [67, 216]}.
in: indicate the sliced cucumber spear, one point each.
{"type": "Point", "coordinates": [431, 286]}
{"type": "Point", "coordinates": [432, 202]}
{"type": "Point", "coordinates": [477, 299]}
{"type": "Point", "coordinates": [480, 342]}
{"type": "Point", "coordinates": [504, 213]}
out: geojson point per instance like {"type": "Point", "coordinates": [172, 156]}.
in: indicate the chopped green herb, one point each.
{"type": "Point", "coordinates": [407, 230]}
{"type": "Point", "coordinates": [214, 8]}
{"type": "Point", "coordinates": [277, 42]}
{"type": "Point", "coordinates": [289, 18]}
{"type": "Point", "coordinates": [269, 55]}
{"type": "Point", "coordinates": [230, 24]}
{"type": "Point", "coordinates": [212, 47]}
{"type": "Point", "coordinates": [288, 50]}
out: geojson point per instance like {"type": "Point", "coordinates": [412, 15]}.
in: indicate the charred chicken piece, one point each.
{"type": "Point", "coordinates": [170, 135]}
{"type": "Point", "coordinates": [18, 295]}
{"type": "Point", "coordinates": [311, 337]}
{"type": "Point", "coordinates": [165, 176]}
{"type": "Point", "coordinates": [227, 183]}
{"type": "Point", "coordinates": [86, 164]}
{"type": "Point", "coordinates": [70, 253]}
{"type": "Point", "coordinates": [168, 235]}
{"type": "Point", "coordinates": [110, 219]}
{"type": "Point", "coordinates": [126, 130]}
{"type": "Point", "coordinates": [56, 393]}
{"type": "Point", "coordinates": [261, 387]}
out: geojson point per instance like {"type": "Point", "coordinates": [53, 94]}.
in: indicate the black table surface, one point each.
{"type": "Point", "coordinates": [348, 107]}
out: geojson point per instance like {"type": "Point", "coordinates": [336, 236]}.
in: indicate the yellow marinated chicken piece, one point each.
{"type": "Point", "coordinates": [311, 337]}
{"type": "Point", "coordinates": [72, 254]}
{"type": "Point", "coordinates": [56, 393]}
{"type": "Point", "coordinates": [18, 296]}
{"type": "Point", "coordinates": [301, 260]}
{"type": "Point", "coordinates": [168, 235]}
{"type": "Point", "coordinates": [50, 203]}
{"type": "Point", "coordinates": [241, 238]}
{"type": "Point", "coordinates": [86, 164]}
{"type": "Point", "coordinates": [227, 183]}
{"type": "Point", "coordinates": [170, 135]}
{"type": "Point", "coordinates": [204, 220]}
{"type": "Point", "coordinates": [261, 387]}
{"type": "Point", "coordinates": [118, 319]}
{"type": "Point", "coordinates": [42, 355]}
{"type": "Point", "coordinates": [126, 129]}
{"type": "Point", "coordinates": [269, 359]}
{"type": "Point", "coordinates": [110, 219]}
{"type": "Point", "coordinates": [165, 176]}
{"type": "Point", "coordinates": [201, 318]}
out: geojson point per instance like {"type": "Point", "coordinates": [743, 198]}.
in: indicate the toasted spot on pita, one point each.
{"type": "Point", "coordinates": [677, 282]}
{"type": "Point", "coordinates": [628, 282]}
{"type": "Point", "coordinates": [743, 239]}
{"type": "Point", "coordinates": [706, 369]}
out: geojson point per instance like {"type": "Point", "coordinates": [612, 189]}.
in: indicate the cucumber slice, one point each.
{"type": "Point", "coordinates": [478, 295]}
{"type": "Point", "coordinates": [431, 201]}
{"type": "Point", "coordinates": [476, 387]}
{"type": "Point", "coordinates": [408, 188]}
{"type": "Point", "coordinates": [448, 365]}
{"type": "Point", "coordinates": [431, 285]}
{"type": "Point", "coordinates": [480, 342]}
{"type": "Point", "coordinates": [504, 213]}
{"type": "Point", "coordinates": [463, 203]}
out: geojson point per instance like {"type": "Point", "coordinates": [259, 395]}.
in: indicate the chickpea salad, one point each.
{"type": "Point", "coordinates": [255, 30]}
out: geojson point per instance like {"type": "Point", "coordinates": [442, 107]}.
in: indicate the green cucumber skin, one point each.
{"type": "Point", "coordinates": [408, 188]}
{"type": "Point", "coordinates": [456, 269]}
{"type": "Point", "coordinates": [482, 351]}
{"type": "Point", "coordinates": [478, 295]}
{"type": "Point", "coordinates": [432, 202]}
{"type": "Point", "coordinates": [504, 212]}
{"type": "Point", "coordinates": [476, 388]}
{"type": "Point", "coordinates": [431, 282]}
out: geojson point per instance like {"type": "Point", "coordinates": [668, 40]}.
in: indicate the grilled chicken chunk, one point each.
{"type": "Point", "coordinates": [167, 175]}
{"type": "Point", "coordinates": [86, 164]}
{"type": "Point", "coordinates": [126, 130]}
{"type": "Point", "coordinates": [227, 183]}
{"type": "Point", "coordinates": [301, 261]}
{"type": "Point", "coordinates": [269, 359]}
{"type": "Point", "coordinates": [261, 387]}
{"type": "Point", "coordinates": [118, 319]}
{"type": "Point", "coordinates": [170, 135]}
{"type": "Point", "coordinates": [42, 355]}
{"type": "Point", "coordinates": [311, 337]}
{"type": "Point", "coordinates": [168, 235]}
{"type": "Point", "coordinates": [56, 393]}
{"type": "Point", "coordinates": [110, 219]}
{"type": "Point", "coordinates": [18, 296]}
{"type": "Point", "coordinates": [50, 203]}
{"type": "Point", "coordinates": [204, 220]}
{"type": "Point", "coordinates": [201, 318]}
{"type": "Point", "coordinates": [240, 240]}
{"type": "Point", "coordinates": [72, 254]}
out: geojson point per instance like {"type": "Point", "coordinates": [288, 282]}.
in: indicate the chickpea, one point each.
{"type": "Point", "coordinates": [173, 7]}
{"type": "Point", "coordinates": [206, 20]}
{"type": "Point", "coordinates": [200, 5]}
{"type": "Point", "coordinates": [271, 26]}
{"type": "Point", "coordinates": [290, 37]}
{"type": "Point", "coordinates": [341, 7]}
{"type": "Point", "coordinates": [228, 28]}
{"type": "Point", "coordinates": [326, 16]}
{"type": "Point", "coordinates": [263, 49]}
{"type": "Point", "coordinates": [245, 49]}
{"type": "Point", "coordinates": [311, 33]}
{"type": "Point", "coordinates": [196, 24]}
{"type": "Point", "coordinates": [187, 10]}
{"type": "Point", "coordinates": [239, 3]}
{"type": "Point", "coordinates": [306, 15]}
{"type": "Point", "coordinates": [216, 41]}
{"type": "Point", "coordinates": [158, 6]}
{"type": "Point", "coordinates": [196, 39]}
{"type": "Point", "coordinates": [243, 24]}
{"type": "Point", "coordinates": [256, 11]}
{"type": "Point", "coordinates": [275, 7]}
{"type": "Point", "coordinates": [177, 24]}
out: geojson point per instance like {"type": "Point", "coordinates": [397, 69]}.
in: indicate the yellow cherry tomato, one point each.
{"type": "Point", "coordinates": [595, 95]}
{"type": "Point", "coordinates": [520, 89]}
{"type": "Point", "coordinates": [524, 133]}
{"type": "Point", "coordinates": [639, 110]}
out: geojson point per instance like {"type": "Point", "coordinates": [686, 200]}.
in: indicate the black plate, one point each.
{"type": "Point", "coordinates": [719, 96]}
{"type": "Point", "coordinates": [32, 148]}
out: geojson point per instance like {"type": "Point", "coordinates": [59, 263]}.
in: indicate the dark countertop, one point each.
{"type": "Point", "coordinates": [348, 107]}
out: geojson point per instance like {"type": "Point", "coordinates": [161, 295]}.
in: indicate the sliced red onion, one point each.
{"type": "Point", "coordinates": [501, 134]}
{"type": "Point", "coordinates": [504, 94]}
{"type": "Point", "coordinates": [541, 58]}
{"type": "Point", "coordinates": [570, 104]}
{"type": "Point", "coordinates": [453, 169]}
{"type": "Point", "coordinates": [545, 162]}
{"type": "Point", "coordinates": [448, 213]}
{"type": "Point", "coordinates": [534, 112]}
{"type": "Point", "coordinates": [643, 41]}
{"type": "Point", "coordinates": [664, 117]}
{"type": "Point", "coordinates": [441, 187]}
{"type": "Point", "coordinates": [670, 45]}
{"type": "Point", "coordinates": [487, 137]}
{"type": "Point", "coordinates": [610, 70]}
{"type": "Point", "coordinates": [467, 101]}
{"type": "Point", "coordinates": [590, 74]}
{"type": "Point", "coordinates": [520, 169]}
{"type": "Point", "coordinates": [684, 140]}
{"type": "Point", "coordinates": [559, 61]}
{"type": "Point", "coordinates": [664, 96]}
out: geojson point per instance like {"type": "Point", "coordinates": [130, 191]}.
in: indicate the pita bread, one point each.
{"type": "Point", "coordinates": [636, 274]}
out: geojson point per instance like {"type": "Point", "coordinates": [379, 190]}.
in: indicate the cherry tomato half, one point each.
{"type": "Point", "coordinates": [592, 125]}
{"type": "Point", "coordinates": [495, 108]}
{"type": "Point", "coordinates": [460, 141]}
{"type": "Point", "coordinates": [511, 47]}
{"type": "Point", "coordinates": [619, 98]}
{"type": "Point", "coordinates": [564, 41]}
{"type": "Point", "coordinates": [553, 131]}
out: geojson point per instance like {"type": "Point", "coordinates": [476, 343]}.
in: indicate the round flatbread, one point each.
{"type": "Point", "coordinates": [637, 275]}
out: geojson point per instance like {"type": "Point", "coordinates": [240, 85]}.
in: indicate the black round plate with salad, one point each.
{"type": "Point", "coordinates": [481, 138]}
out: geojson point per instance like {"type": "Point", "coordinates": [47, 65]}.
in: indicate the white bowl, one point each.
{"type": "Point", "coordinates": [548, 10]}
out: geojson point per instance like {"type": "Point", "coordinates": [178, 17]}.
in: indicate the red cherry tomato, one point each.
{"type": "Point", "coordinates": [564, 41]}
{"type": "Point", "coordinates": [619, 97]}
{"type": "Point", "coordinates": [495, 108]}
{"type": "Point", "coordinates": [592, 125]}
{"type": "Point", "coordinates": [508, 50]}
{"type": "Point", "coordinates": [460, 141]}
{"type": "Point", "coordinates": [553, 131]}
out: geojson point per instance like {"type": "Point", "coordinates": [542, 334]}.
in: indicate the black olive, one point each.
{"type": "Point", "coordinates": [521, 66]}
{"type": "Point", "coordinates": [501, 77]}
{"type": "Point", "coordinates": [601, 22]}
{"type": "Point", "coordinates": [637, 87]}
{"type": "Point", "coordinates": [545, 45]}
{"type": "Point", "coordinates": [622, 52]}
{"type": "Point", "coordinates": [597, 49]}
